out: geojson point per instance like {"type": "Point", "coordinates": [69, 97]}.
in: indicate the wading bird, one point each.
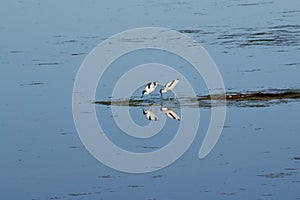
{"type": "Point", "coordinates": [150, 87]}
{"type": "Point", "coordinates": [169, 86]}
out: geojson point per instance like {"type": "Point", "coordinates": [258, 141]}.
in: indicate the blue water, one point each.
{"type": "Point", "coordinates": [254, 44]}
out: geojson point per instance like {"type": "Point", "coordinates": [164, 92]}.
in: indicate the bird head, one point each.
{"type": "Point", "coordinates": [161, 91]}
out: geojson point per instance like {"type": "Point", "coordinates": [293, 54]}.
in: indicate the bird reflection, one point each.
{"type": "Point", "coordinates": [150, 115]}
{"type": "Point", "coordinates": [170, 113]}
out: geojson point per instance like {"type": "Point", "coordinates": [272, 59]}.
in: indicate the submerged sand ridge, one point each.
{"type": "Point", "coordinates": [261, 98]}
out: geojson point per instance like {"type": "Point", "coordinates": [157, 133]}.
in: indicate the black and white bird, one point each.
{"type": "Point", "coordinates": [150, 115]}
{"type": "Point", "coordinates": [150, 87]}
{"type": "Point", "coordinates": [170, 113]}
{"type": "Point", "coordinates": [169, 86]}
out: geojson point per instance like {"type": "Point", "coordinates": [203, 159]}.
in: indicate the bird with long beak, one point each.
{"type": "Point", "coordinates": [150, 87]}
{"type": "Point", "coordinates": [169, 86]}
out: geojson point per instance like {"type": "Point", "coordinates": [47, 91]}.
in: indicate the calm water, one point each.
{"type": "Point", "coordinates": [256, 46]}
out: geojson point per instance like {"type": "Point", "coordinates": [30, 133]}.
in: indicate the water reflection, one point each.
{"type": "Point", "coordinates": [170, 113]}
{"type": "Point", "coordinates": [151, 115]}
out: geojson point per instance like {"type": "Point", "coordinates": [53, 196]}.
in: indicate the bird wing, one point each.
{"type": "Point", "coordinates": [153, 117]}
{"type": "Point", "coordinates": [151, 85]}
{"type": "Point", "coordinates": [150, 115]}
{"type": "Point", "coordinates": [148, 85]}
{"type": "Point", "coordinates": [170, 85]}
{"type": "Point", "coordinates": [173, 115]}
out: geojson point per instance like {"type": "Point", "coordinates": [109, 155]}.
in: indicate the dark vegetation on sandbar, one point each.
{"type": "Point", "coordinates": [240, 99]}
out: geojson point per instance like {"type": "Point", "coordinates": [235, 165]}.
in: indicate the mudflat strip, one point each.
{"type": "Point", "coordinates": [262, 98]}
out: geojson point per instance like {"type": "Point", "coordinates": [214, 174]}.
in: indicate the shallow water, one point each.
{"type": "Point", "coordinates": [254, 44]}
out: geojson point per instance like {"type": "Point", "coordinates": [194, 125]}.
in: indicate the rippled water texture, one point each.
{"type": "Point", "coordinates": [255, 45]}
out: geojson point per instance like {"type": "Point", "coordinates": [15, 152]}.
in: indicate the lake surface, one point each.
{"type": "Point", "coordinates": [256, 46]}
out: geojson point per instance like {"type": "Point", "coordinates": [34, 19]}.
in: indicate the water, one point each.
{"type": "Point", "coordinates": [254, 44]}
